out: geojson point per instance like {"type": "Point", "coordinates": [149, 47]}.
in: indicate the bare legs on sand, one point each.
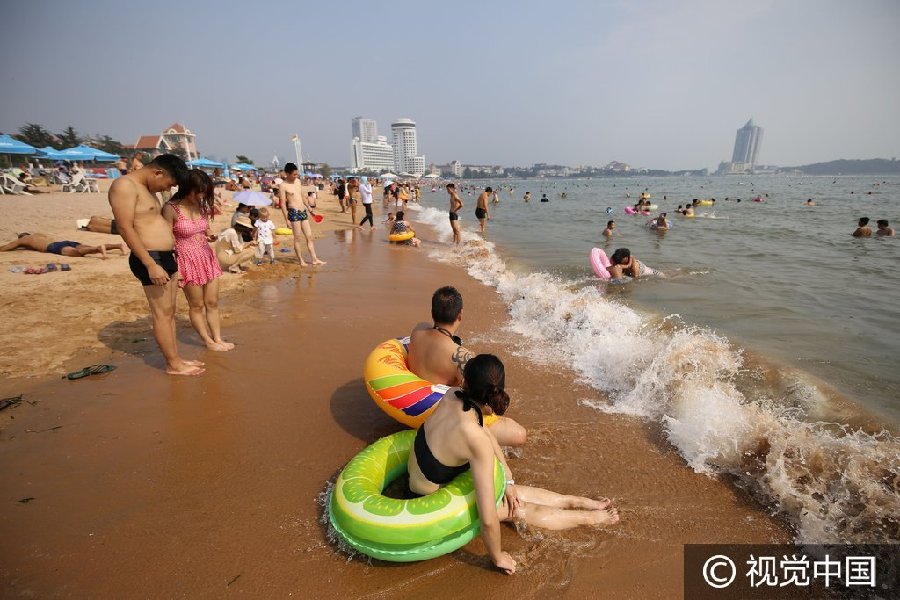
{"type": "Point", "coordinates": [303, 227]}
{"type": "Point", "coordinates": [204, 310]}
{"type": "Point", "coordinates": [549, 510]}
{"type": "Point", "coordinates": [161, 299]}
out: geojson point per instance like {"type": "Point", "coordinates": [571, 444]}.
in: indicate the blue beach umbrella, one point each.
{"type": "Point", "coordinates": [77, 153]}
{"type": "Point", "coordinates": [10, 145]}
{"type": "Point", "coordinates": [50, 153]}
{"type": "Point", "coordinates": [205, 163]}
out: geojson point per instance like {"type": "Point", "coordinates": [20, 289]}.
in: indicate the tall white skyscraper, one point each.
{"type": "Point", "coordinates": [746, 147]}
{"type": "Point", "coordinates": [406, 158]}
{"type": "Point", "coordinates": [366, 130]}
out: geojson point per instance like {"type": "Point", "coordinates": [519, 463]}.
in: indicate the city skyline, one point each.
{"type": "Point", "coordinates": [657, 84]}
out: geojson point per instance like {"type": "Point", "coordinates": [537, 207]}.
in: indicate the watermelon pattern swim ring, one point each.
{"type": "Point", "coordinates": [403, 530]}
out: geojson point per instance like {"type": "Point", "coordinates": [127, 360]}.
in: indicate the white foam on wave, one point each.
{"type": "Point", "coordinates": [833, 484]}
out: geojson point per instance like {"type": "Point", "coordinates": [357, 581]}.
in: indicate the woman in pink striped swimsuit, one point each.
{"type": "Point", "coordinates": [189, 212]}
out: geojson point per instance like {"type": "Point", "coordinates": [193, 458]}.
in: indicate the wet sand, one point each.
{"type": "Point", "coordinates": [143, 484]}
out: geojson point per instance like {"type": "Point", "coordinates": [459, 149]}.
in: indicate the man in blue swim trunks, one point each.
{"type": "Point", "coordinates": [42, 242]}
{"type": "Point", "coordinates": [297, 211]}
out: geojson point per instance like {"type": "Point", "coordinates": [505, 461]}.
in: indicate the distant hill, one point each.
{"type": "Point", "coordinates": [871, 166]}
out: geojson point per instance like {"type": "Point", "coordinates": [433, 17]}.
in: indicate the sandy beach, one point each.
{"type": "Point", "coordinates": [137, 483]}
{"type": "Point", "coordinates": [95, 307]}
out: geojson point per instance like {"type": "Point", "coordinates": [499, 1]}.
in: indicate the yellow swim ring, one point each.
{"type": "Point", "coordinates": [402, 237]}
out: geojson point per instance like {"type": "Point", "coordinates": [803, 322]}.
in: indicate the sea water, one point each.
{"type": "Point", "coordinates": [767, 350]}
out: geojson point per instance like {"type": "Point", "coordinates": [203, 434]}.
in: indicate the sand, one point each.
{"type": "Point", "coordinates": [143, 484]}
{"type": "Point", "coordinates": [97, 305]}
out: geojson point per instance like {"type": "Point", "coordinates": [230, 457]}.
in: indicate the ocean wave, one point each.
{"type": "Point", "coordinates": [834, 484]}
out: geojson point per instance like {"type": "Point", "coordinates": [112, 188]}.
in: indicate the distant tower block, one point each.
{"type": "Point", "coordinates": [746, 147]}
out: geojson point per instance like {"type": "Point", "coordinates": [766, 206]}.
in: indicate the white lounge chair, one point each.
{"type": "Point", "coordinates": [11, 185]}
{"type": "Point", "coordinates": [78, 184]}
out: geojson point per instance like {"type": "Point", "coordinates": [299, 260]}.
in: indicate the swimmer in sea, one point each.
{"type": "Point", "coordinates": [623, 263]}
{"type": "Point", "coordinates": [527, 197]}
{"type": "Point", "coordinates": [863, 229]}
{"type": "Point", "coordinates": [884, 228]}
{"type": "Point", "coordinates": [661, 222]}
{"type": "Point", "coordinates": [610, 225]}
{"type": "Point", "coordinates": [689, 211]}
{"type": "Point", "coordinates": [809, 202]}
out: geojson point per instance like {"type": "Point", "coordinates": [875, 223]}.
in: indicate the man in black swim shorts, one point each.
{"type": "Point", "coordinates": [481, 207]}
{"type": "Point", "coordinates": [139, 220]}
{"type": "Point", "coordinates": [163, 258]}
{"type": "Point", "coordinates": [456, 205]}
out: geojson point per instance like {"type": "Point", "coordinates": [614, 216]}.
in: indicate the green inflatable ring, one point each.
{"type": "Point", "coordinates": [403, 530]}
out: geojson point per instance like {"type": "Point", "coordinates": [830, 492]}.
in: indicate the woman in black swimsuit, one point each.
{"type": "Point", "coordinates": [453, 439]}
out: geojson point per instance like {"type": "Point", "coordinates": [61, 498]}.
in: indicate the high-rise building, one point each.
{"type": "Point", "coordinates": [406, 158]}
{"type": "Point", "coordinates": [376, 156]}
{"type": "Point", "coordinates": [456, 169]}
{"type": "Point", "coordinates": [366, 130]}
{"type": "Point", "coordinates": [746, 147]}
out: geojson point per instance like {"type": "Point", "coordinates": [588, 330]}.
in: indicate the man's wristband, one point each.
{"type": "Point", "coordinates": [510, 482]}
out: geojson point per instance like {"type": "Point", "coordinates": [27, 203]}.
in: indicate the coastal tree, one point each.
{"type": "Point", "coordinates": [241, 158]}
{"type": "Point", "coordinates": [325, 170]}
{"type": "Point", "coordinates": [36, 135]}
{"type": "Point", "coordinates": [107, 144]}
{"type": "Point", "coordinates": [68, 137]}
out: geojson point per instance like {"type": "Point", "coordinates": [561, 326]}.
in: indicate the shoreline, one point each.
{"type": "Point", "coordinates": [189, 486]}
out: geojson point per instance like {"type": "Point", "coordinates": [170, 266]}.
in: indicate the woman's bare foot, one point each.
{"type": "Point", "coordinates": [590, 503]}
{"type": "Point", "coordinates": [220, 346]}
{"type": "Point", "coordinates": [607, 516]}
{"type": "Point", "coordinates": [103, 254]}
{"type": "Point", "coordinates": [319, 262]}
{"type": "Point", "coordinates": [304, 264]}
{"type": "Point", "coordinates": [184, 368]}
{"type": "Point", "coordinates": [194, 363]}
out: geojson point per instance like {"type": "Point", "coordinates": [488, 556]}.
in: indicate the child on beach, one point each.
{"type": "Point", "coordinates": [188, 213]}
{"type": "Point", "coordinates": [388, 221]}
{"type": "Point", "coordinates": [401, 226]}
{"type": "Point", "coordinates": [265, 232]}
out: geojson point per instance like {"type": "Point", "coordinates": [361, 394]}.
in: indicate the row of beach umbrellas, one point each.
{"type": "Point", "coordinates": [10, 145]}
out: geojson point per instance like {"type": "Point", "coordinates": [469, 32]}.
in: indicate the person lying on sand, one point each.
{"type": "Point", "coordinates": [102, 225]}
{"type": "Point", "coordinates": [41, 242]}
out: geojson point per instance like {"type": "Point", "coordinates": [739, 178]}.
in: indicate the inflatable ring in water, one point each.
{"type": "Point", "coordinates": [399, 392]}
{"type": "Point", "coordinates": [284, 231]}
{"type": "Point", "coordinates": [706, 203]}
{"type": "Point", "coordinates": [403, 530]}
{"type": "Point", "coordinates": [599, 263]}
{"type": "Point", "coordinates": [402, 237]}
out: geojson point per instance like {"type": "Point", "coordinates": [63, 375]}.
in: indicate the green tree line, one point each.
{"type": "Point", "coordinates": [41, 137]}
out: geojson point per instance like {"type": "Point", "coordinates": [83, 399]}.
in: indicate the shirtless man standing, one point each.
{"type": "Point", "coordinates": [139, 221]}
{"type": "Point", "coordinates": [296, 212]}
{"type": "Point", "coordinates": [481, 209]}
{"type": "Point", "coordinates": [456, 205]}
{"type": "Point", "coordinates": [436, 354]}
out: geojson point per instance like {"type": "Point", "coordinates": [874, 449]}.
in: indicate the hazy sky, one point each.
{"type": "Point", "coordinates": [654, 84]}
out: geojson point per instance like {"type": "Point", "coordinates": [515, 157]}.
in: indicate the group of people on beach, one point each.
{"type": "Point", "coordinates": [468, 429]}
{"type": "Point", "coordinates": [170, 245]}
